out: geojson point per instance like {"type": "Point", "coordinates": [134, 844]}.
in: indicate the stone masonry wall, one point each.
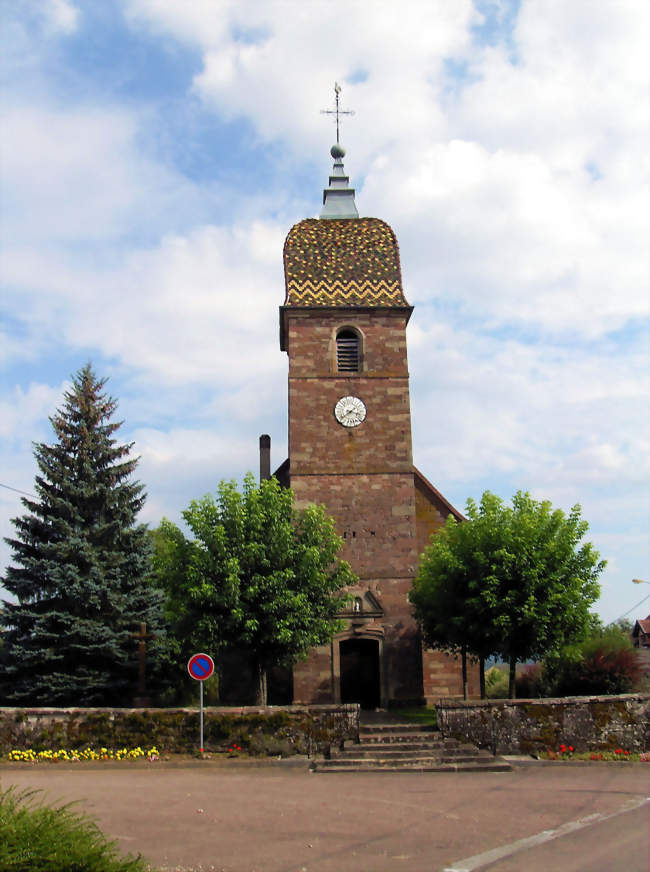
{"type": "Point", "coordinates": [443, 677]}
{"type": "Point", "coordinates": [364, 477]}
{"type": "Point", "coordinates": [525, 726]}
{"type": "Point", "coordinates": [258, 730]}
{"type": "Point", "coordinates": [317, 442]}
{"type": "Point", "coordinates": [375, 516]}
{"type": "Point", "coordinates": [313, 679]}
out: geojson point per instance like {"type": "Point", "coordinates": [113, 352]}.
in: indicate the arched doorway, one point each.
{"type": "Point", "coordinates": [360, 674]}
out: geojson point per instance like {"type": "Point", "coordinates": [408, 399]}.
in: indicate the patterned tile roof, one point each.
{"type": "Point", "coordinates": [342, 262]}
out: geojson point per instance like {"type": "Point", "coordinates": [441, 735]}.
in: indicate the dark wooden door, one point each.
{"type": "Point", "coordinates": [360, 672]}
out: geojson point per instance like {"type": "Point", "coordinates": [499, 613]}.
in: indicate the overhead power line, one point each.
{"type": "Point", "coordinates": [16, 490]}
{"type": "Point", "coordinates": [625, 614]}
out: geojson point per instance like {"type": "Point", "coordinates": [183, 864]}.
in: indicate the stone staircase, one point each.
{"type": "Point", "coordinates": [391, 746]}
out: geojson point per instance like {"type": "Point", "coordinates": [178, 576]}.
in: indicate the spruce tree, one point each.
{"type": "Point", "coordinates": [81, 578]}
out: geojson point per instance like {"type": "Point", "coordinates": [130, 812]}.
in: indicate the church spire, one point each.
{"type": "Point", "coordinates": [338, 198]}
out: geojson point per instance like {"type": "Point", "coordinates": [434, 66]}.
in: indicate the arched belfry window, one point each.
{"type": "Point", "coordinates": [348, 351]}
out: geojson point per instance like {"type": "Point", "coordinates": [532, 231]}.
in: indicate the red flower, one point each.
{"type": "Point", "coordinates": [618, 751]}
{"type": "Point", "coordinates": [570, 748]}
{"type": "Point", "coordinates": [627, 753]}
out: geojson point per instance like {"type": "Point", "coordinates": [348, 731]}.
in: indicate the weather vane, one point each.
{"type": "Point", "coordinates": [337, 110]}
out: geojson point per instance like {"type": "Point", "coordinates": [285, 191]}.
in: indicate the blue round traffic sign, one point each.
{"type": "Point", "coordinates": [200, 666]}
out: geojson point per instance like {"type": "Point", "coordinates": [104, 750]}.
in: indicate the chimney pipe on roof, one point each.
{"type": "Point", "coordinates": [265, 457]}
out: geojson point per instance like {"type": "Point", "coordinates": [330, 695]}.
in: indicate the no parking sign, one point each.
{"type": "Point", "coordinates": [200, 666]}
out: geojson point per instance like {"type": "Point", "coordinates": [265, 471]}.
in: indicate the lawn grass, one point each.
{"type": "Point", "coordinates": [41, 838]}
{"type": "Point", "coordinates": [418, 715]}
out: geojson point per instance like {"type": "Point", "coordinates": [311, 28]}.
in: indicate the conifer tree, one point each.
{"type": "Point", "coordinates": [81, 576]}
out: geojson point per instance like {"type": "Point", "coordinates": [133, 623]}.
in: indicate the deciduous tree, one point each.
{"type": "Point", "coordinates": [521, 581]}
{"type": "Point", "coordinates": [446, 595]}
{"type": "Point", "coordinates": [257, 573]}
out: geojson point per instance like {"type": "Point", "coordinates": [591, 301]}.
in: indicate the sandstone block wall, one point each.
{"type": "Point", "coordinates": [429, 518]}
{"type": "Point", "coordinates": [363, 475]}
{"type": "Point", "coordinates": [443, 677]}
{"type": "Point", "coordinates": [257, 729]}
{"type": "Point", "coordinates": [524, 726]}
{"type": "Point", "coordinates": [375, 516]}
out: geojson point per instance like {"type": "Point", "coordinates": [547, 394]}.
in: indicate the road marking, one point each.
{"type": "Point", "coordinates": [479, 861]}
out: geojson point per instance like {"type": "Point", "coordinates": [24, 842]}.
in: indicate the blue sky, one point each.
{"type": "Point", "coordinates": [155, 155]}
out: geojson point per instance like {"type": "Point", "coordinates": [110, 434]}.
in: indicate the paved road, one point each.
{"type": "Point", "coordinates": [206, 816]}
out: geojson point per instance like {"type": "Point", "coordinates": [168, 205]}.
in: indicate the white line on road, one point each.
{"type": "Point", "coordinates": [479, 861]}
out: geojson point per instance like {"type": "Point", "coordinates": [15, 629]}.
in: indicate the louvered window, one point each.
{"type": "Point", "coordinates": [347, 351]}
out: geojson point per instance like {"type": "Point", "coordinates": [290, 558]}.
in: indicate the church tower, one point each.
{"type": "Point", "coordinates": [343, 326]}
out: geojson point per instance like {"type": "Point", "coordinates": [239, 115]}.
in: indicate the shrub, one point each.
{"type": "Point", "coordinates": [496, 683]}
{"type": "Point", "coordinates": [527, 682]}
{"type": "Point", "coordinates": [605, 663]}
{"type": "Point", "coordinates": [45, 839]}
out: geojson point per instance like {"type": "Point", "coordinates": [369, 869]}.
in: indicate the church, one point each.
{"type": "Point", "coordinates": [343, 327]}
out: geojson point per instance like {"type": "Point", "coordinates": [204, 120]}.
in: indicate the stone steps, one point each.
{"type": "Point", "coordinates": [432, 765]}
{"type": "Point", "coordinates": [397, 726]}
{"type": "Point", "coordinates": [407, 747]}
{"type": "Point", "coordinates": [410, 749]}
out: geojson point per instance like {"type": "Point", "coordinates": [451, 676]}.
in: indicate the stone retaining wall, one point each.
{"type": "Point", "coordinates": [271, 730]}
{"type": "Point", "coordinates": [523, 726]}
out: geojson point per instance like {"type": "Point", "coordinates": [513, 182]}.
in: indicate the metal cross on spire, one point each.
{"type": "Point", "coordinates": [337, 110]}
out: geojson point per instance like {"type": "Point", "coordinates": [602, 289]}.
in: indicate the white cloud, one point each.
{"type": "Point", "coordinates": [560, 421]}
{"type": "Point", "coordinates": [512, 240]}
{"type": "Point", "coordinates": [267, 61]}
{"type": "Point", "coordinates": [22, 411]}
{"type": "Point", "coordinates": [63, 15]}
{"type": "Point", "coordinates": [76, 174]}
{"type": "Point", "coordinates": [197, 308]}
{"type": "Point", "coordinates": [519, 197]}
{"type": "Point", "coordinates": [58, 16]}
{"type": "Point", "coordinates": [523, 196]}
{"type": "Point", "coordinates": [182, 464]}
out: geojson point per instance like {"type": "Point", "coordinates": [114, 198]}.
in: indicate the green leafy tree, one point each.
{"type": "Point", "coordinates": [81, 578]}
{"type": "Point", "coordinates": [446, 595]}
{"type": "Point", "coordinates": [256, 574]}
{"type": "Point", "coordinates": [523, 579]}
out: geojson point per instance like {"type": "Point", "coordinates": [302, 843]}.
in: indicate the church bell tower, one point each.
{"type": "Point", "coordinates": [343, 326]}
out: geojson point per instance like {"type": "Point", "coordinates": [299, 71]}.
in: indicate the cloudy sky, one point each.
{"type": "Point", "coordinates": [156, 153]}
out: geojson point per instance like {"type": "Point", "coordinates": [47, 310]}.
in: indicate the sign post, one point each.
{"type": "Point", "coordinates": [200, 667]}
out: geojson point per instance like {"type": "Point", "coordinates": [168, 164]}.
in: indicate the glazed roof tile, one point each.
{"type": "Point", "coordinates": [342, 262]}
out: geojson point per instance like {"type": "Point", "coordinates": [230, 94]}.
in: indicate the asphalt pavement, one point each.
{"type": "Point", "coordinates": [236, 816]}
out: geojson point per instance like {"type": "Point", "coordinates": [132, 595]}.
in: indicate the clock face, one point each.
{"type": "Point", "coordinates": [350, 411]}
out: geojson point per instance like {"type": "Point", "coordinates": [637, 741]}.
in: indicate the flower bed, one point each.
{"type": "Point", "coordinates": [621, 755]}
{"type": "Point", "coordinates": [74, 756]}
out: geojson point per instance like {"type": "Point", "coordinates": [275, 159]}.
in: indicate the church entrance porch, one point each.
{"type": "Point", "coordinates": [360, 672]}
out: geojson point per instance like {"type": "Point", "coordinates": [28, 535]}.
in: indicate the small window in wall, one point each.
{"type": "Point", "coordinates": [347, 351]}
